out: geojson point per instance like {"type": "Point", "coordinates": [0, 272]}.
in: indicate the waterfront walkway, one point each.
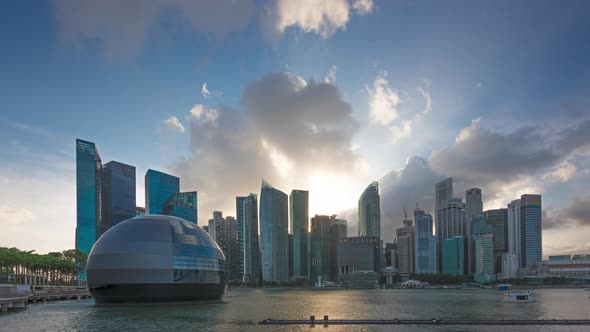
{"type": "Point", "coordinates": [497, 322]}
{"type": "Point", "coordinates": [12, 297]}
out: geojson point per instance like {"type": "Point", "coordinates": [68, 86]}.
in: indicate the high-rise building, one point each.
{"type": "Point", "coordinates": [498, 221]}
{"type": "Point", "coordinates": [252, 265]}
{"type": "Point", "coordinates": [159, 187]}
{"type": "Point", "coordinates": [454, 256]}
{"type": "Point", "coordinates": [226, 236]}
{"type": "Point", "coordinates": [119, 192]}
{"type": "Point", "coordinates": [357, 254]}
{"type": "Point", "coordinates": [274, 242]}
{"type": "Point", "coordinates": [450, 221]}
{"type": "Point", "coordinates": [342, 228]}
{"type": "Point", "coordinates": [405, 249]}
{"type": "Point", "coordinates": [299, 228]}
{"type": "Point", "coordinates": [323, 241]}
{"type": "Point", "coordinates": [182, 205]}
{"type": "Point", "coordinates": [391, 254]}
{"type": "Point", "coordinates": [240, 218]}
{"type": "Point", "coordinates": [484, 257]}
{"type": "Point", "coordinates": [425, 244]}
{"type": "Point", "coordinates": [443, 191]}
{"type": "Point", "coordinates": [369, 210]}
{"type": "Point", "coordinates": [511, 260]}
{"type": "Point", "coordinates": [473, 206]}
{"type": "Point", "coordinates": [88, 195]}
{"type": "Point", "coordinates": [530, 230]}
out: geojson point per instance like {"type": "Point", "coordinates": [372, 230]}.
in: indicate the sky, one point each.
{"type": "Point", "coordinates": [319, 95]}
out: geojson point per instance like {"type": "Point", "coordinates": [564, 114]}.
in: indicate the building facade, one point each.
{"type": "Point", "coordinates": [450, 220]}
{"type": "Point", "coordinates": [405, 249]}
{"type": "Point", "coordinates": [182, 205]}
{"type": "Point", "coordinates": [473, 206]}
{"type": "Point", "coordinates": [274, 242]}
{"type": "Point", "coordinates": [299, 228]}
{"type": "Point", "coordinates": [425, 244]}
{"type": "Point", "coordinates": [511, 261]}
{"type": "Point", "coordinates": [484, 257]}
{"type": "Point", "coordinates": [240, 218]}
{"type": "Point", "coordinates": [454, 256]}
{"type": "Point", "coordinates": [530, 230]}
{"type": "Point", "coordinates": [252, 260]}
{"type": "Point", "coordinates": [119, 192]}
{"type": "Point", "coordinates": [159, 187]}
{"type": "Point", "coordinates": [355, 255]}
{"type": "Point", "coordinates": [88, 195]}
{"type": "Point", "coordinates": [498, 221]}
{"type": "Point", "coordinates": [323, 241]}
{"type": "Point", "coordinates": [369, 210]}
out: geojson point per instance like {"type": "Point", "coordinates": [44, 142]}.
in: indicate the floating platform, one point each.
{"type": "Point", "coordinates": [497, 322]}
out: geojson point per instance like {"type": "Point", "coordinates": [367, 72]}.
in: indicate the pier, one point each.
{"type": "Point", "coordinates": [434, 321]}
{"type": "Point", "coordinates": [16, 297]}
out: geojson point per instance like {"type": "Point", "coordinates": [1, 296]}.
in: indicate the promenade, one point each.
{"type": "Point", "coordinates": [15, 297]}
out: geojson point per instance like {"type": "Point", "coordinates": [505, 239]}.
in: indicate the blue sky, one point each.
{"type": "Point", "coordinates": [114, 74]}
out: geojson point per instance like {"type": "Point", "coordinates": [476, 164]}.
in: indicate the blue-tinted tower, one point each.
{"type": "Point", "coordinates": [274, 241]}
{"type": "Point", "coordinates": [530, 230]}
{"type": "Point", "coordinates": [88, 195]}
{"type": "Point", "coordinates": [118, 192]}
{"type": "Point", "coordinates": [240, 218]}
{"type": "Point", "coordinates": [182, 205]}
{"type": "Point", "coordinates": [159, 187]}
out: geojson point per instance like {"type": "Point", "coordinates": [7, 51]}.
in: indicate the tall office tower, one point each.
{"type": "Point", "coordinates": [252, 265]}
{"type": "Point", "coordinates": [342, 228]}
{"type": "Point", "coordinates": [119, 192]}
{"type": "Point", "coordinates": [182, 205]}
{"type": "Point", "coordinates": [424, 243]}
{"type": "Point", "coordinates": [511, 260]}
{"type": "Point", "coordinates": [484, 269]}
{"type": "Point", "coordinates": [226, 236]}
{"type": "Point", "coordinates": [158, 188]}
{"type": "Point", "coordinates": [451, 221]}
{"type": "Point", "coordinates": [405, 249]}
{"type": "Point", "coordinates": [323, 241]}
{"type": "Point", "coordinates": [299, 228]}
{"type": "Point", "coordinates": [274, 242]}
{"type": "Point", "coordinates": [391, 254]}
{"type": "Point", "coordinates": [473, 206]}
{"type": "Point", "coordinates": [498, 221]}
{"type": "Point", "coordinates": [370, 212]}
{"type": "Point", "coordinates": [530, 230]}
{"type": "Point", "coordinates": [240, 217]}
{"type": "Point", "coordinates": [443, 191]}
{"type": "Point", "coordinates": [454, 256]}
{"type": "Point", "coordinates": [88, 195]}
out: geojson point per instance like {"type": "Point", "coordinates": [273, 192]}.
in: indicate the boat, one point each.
{"type": "Point", "coordinates": [504, 287]}
{"type": "Point", "coordinates": [522, 297]}
{"type": "Point", "coordinates": [327, 285]}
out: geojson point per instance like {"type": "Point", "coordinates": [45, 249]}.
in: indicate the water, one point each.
{"type": "Point", "coordinates": [241, 309]}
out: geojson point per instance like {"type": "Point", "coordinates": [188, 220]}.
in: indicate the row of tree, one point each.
{"type": "Point", "coordinates": [56, 268]}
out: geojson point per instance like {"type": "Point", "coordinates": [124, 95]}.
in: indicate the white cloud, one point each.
{"type": "Point", "coordinates": [174, 125]}
{"type": "Point", "coordinates": [401, 131]}
{"type": "Point", "coordinates": [362, 7]}
{"type": "Point", "coordinates": [562, 172]}
{"type": "Point", "coordinates": [12, 215]}
{"type": "Point", "coordinates": [331, 75]}
{"type": "Point", "coordinates": [427, 99]}
{"type": "Point", "coordinates": [383, 101]}
{"type": "Point", "coordinates": [204, 91]}
{"type": "Point", "coordinates": [203, 113]}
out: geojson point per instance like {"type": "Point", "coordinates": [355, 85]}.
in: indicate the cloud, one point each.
{"type": "Point", "coordinates": [288, 129]}
{"type": "Point", "coordinates": [11, 215]}
{"type": "Point", "coordinates": [322, 17]}
{"type": "Point", "coordinates": [427, 99]}
{"type": "Point", "coordinates": [577, 213]}
{"type": "Point", "coordinates": [401, 131]}
{"type": "Point", "coordinates": [204, 91]}
{"type": "Point", "coordinates": [122, 26]}
{"type": "Point", "coordinates": [331, 75]}
{"type": "Point", "coordinates": [173, 125]}
{"type": "Point", "coordinates": [562, 172]}
{"type": "Point", "coordinates": [383, 101]}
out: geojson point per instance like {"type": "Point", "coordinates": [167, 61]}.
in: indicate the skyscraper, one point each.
{"type": "Point", "coordinates": [240, 218]}
{"type": "Point", "coordinates": [323, 241]}
{"type": "Point", "coordinates": [88, 195]}
{"type": "Point", "coordinates": [299, 227]}
{"type": "Point", "coordinates": [120, 195]}
{"type": "Point", "coordinates": [511, 260]}
{"type": "Point", "coordinates": [159, 187]}
{"type": "Point", "coordinates": [484, 270]}
{"type": "Point", "coordinates": [369, 210]}
{"type": "Point", "coordinates": [182, 205]}
{"type": "Point", "coordinates": [498, 221]}
{"type": "Point", "coordinates": [357, 254]}
{"type": "Point", "coordinates": [473, 206]}
{"type": "Point", "coordinates": [274, 243]}
{"type": "Point", "coordinates": [443, 191]}
{"type": "Point", "coordinates": [252, 265]}
{"type": "Point", "coordinates": [530, 230]}
{"type": "Point", "coordinates": [226, 236]}
{"type": "Point", "coordinates": [451, 221]}
{"type": "Point", "coordinates": [454, 256]}
{"type": "Point", "coordinates": [405, 248]}
{"type": "Point", "coordinates": [425, 244]}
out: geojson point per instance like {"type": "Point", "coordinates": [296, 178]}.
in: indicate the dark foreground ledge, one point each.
{"type": "Point", "coordinates": [326, 321]}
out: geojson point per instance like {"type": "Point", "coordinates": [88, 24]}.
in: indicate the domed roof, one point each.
{"type": "Point", "coordinates": [152, 249]}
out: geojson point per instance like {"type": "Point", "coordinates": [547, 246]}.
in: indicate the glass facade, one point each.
{"type": "Point", "coordinates": [369, 210]}
{"type": "Point", "coordinates": [240, 218]}
{"type": "Point", "coordinates": [443, 191]}
{"type": "Point", "coordinates": [119, 198]}
{"type": "Point", "coordinates": [88, 195]}
{"type": "Point", "coordinates": [425, 243]}
{"type": "Point", "coordinates": [484, 257]}
{"type": "Point", "coordinates": [453, 256]}
{"type": "Point", "coordinates": [530, 230]}
{"type": "Point", "coordinates": [299, 228]}
{"type": "Point", "coordinates": [252, 264]}
{"type": "Point", "coordinates": [323, 240]}
{"type": "Point", "coordinates": [274, 243]}
{"type": "Point", "coordinates": [498, 221]}
{"type": "Point", "coordinates": [158, 188]}
{"type": "Point", "coordinates": [357, 254]}
{"type": "Point", "coordinates": [182, 205]}
{"type": "Point", "coordinates": [473, 206]}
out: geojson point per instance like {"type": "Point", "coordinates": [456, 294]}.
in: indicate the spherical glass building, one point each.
{"type": "Point", "coordinates": [155, 258]}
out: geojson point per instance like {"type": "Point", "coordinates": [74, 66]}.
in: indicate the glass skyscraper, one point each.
{"type": "Point", "coordinates": [425, 243]}
{"type": "Point", "coordinates": [530, 230]}
{"type": "Point", "coordinates": [159, 187]}
{"type": "Point", "coordinates": [443, 191]}
{"type": "Point", "coordinates": [498, 221]}
{"type": "Point", "coordinates": [473, 206]}
{"type": "Point", "coordinates": [369, 210]}
{"type": "Point", "coordinates": [252, 265]}
{"type": "Point", "coordinates": [119, 192]}
{"type": "Point", "coordinates": [88, 195]}
{"type": "Point", "coordinates": [323, 241]}
{"type": "Point", "coordinates": [299, 227]}
{"type": "Point", "coordinates": [274, 242]}
{"type": "Point", "coordinates": [182, 205]}
{"type": "Point", "coordinates": [240, 218]}
{"type": "Point", "coordinates": [484, 269]}
{"type": "Point", "coordinates": [453, 253]}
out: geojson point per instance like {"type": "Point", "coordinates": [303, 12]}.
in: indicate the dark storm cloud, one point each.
{"type": "Point", "coordinates": [576, 214]}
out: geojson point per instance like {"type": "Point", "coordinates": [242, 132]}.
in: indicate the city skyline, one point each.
{"type": "Point", "coordinates": [470, 91]}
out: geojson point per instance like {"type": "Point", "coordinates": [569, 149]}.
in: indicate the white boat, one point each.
{"type": "Point", "coordinates": [327, 285]}
{"type": "Point", "coordinates": [518, 297]}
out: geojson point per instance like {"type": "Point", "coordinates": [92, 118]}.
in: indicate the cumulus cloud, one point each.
{"type": "Point", "coordinates": [12, 215]}
{"type": "Point", "coordinates": [577, 213]}
{"type": "Point", "coordinates": [122, 26]}
{"type": "Point", "coordinates": [204, 91]}
{"type": "Point", "coordinates": [401, 131]}
{"type": "Point", "coordinates": [173, 125]}
{"type": "Point", "coordinates": [322, 17]}
{"type": "Point", "coordinates": [331, 75]}
{"type": "Point", "coordinates": [383, 100]}
{"type": "Point", "coordinates": [562, 172]}
{"type": "Point", "coordinates": [287, 128]}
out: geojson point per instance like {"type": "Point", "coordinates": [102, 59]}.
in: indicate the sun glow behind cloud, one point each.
{"type": "Point", "coordinates": [331, 193]}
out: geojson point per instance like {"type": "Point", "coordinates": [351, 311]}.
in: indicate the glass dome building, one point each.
{"type": "Point", "coordinates": [155, 258]}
